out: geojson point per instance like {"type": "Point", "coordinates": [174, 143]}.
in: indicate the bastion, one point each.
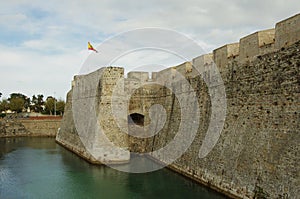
{"type": "Point", "coordinates": [257, 152]}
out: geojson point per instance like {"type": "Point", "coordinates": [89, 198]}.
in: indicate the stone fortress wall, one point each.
{"type": "Point", "coordinates": [257, 154]}
{"type": "Point", "coordinates": [29, 127]}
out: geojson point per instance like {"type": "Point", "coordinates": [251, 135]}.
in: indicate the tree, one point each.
{"type": "Point", "coordinates": [0, 94]}
{"type": "Point", "coordinates": [37, 103]}
{"type": "Point", "coordinates": [17, 95]}
{"type": "Point", "coordinates": [40, 102]}
{"type": "Point", "coordinates": [33, 105]}
{"type": "Point", "coordinates": [22, 96]}
{"type": "Point", "coordinates": [60, 107]}
{"type": "Point", "coordinates": [26, 102]}
{"type": "Point", "coordinates": [17, 104]}
{"type": "Point", "coordinates": [17, 100]}
{"type": "Point", "coordinates": [49, 105]}
{"type": "Point", "coordinates": [4, 105]}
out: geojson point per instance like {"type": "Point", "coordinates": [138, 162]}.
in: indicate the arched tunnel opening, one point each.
{"type": "Point", "coordinates": [136, 118]}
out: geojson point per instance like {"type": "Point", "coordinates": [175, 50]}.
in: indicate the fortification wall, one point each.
{"type": "Point", "coordinates": [257, 150]}
{"type": "Point", "coordinates": [68, 136]}
{"type": "Point", "coordinates": [257, 154]}
{"type": "Point", "coordinates": [47, 127]}
{"type": "Point", "coordinates": [221, 55]}
{"type": "Point", "coordinates": [287, 32]}
{"type": "Point", "coordinates": [88, 127]}
{"type": "Point", "coordinates": [29, 127]}
{"type": "Point", "coordinates": [258, 43]}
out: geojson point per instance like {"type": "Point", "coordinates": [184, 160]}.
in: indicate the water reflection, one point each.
{"type": "Point", "coordinates": [39, 168]}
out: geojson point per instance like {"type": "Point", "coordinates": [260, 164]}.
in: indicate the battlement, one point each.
{"type": "Point", "coordinates": [203, 60]}
{"type": "Point", "coordinates": [258, 43]}
{"type": "Point", "coordinates": [262, 95]}
{"type": "Point", "coordinates": [138, 75]}
{"type": "Point", "coordinates": [168, 73]}
{"type": "Point", "coordinates": [286, 33]}
{"type": "Point", "coordinates": [222, 55]}
{"type": "Point", "coordinates": [248, 48]}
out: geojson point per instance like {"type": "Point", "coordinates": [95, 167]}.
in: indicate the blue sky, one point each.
{"type": "Point", "coordinates": [44, 43]}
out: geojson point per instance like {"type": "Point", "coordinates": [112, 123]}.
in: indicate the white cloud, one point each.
{"type": "Point", "coordinates": [33, 73]}
{"type": "Point", "coordinates": [49, 37]}
{"type": "Point", "coordinates": [13, 19]}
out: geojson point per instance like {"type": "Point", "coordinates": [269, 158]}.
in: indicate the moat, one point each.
{"type": "Point", "coordinates": [40, 168]}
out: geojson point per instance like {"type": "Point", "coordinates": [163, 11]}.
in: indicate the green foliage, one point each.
{"type": "Point", "coordinates": [4, 105]}
{"type": "Point", "coordinates": [40, 102]}
{"type": "Point", "coordinates": [37, 103]}
{"type": "Point", "coordinates": [16, 95]}
{"type": "Point", "coordinates": [60, 107]}
{"type": "Point", "coordinates": [52, 105]}
{"type": "Point", "coordinates": [25, 99]}
{"type": "Point", "coordinates": [17, 104]}
{"type": "Point", "coordinates": [49, 105]}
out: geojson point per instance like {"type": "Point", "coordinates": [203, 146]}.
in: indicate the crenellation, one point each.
{"type": "Point", "coordinates": [184, 69]}
{"type": "Point", "coordinates": [255, 44]}
{"type": "Point", "coordinates": [166, 76]}
{"type": "Point", "coordinates": [259, 143]}
{"type": "Point", "coordinates": [154, 76]}
{"type": "Point", "coordinates": [139, 76]}
{"type": "Point", "coordinates": [266, 37]}
{"type": "Point", "coordinates": [287, 32]}
{"type": "Point", "coordinates": [203, 61]}
{"type": "Point", "coordinates": [202, 65]}
{"type": "Point", "coordinates": [221, 55]}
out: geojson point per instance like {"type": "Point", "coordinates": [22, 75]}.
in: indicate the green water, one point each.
{"type": "Point", "coordinates": [39, 168]}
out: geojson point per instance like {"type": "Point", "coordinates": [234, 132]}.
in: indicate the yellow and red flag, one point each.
{"type": "Point", "coordinates": [90, 47]}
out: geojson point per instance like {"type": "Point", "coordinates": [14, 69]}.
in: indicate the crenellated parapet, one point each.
{"type": "Point", "coordinates": [134, 80]}
{"type": "Point", "coordinates": [255, 44]}
{"type": "Point", "coordinates": [136, 75]}
{"type": "Point", "coordinates": [222, 55]}
{"type": "Point", "coordinates": [287, 32]}
{"type": "Point", "coordinates": [257, 153]}
{"type": "Point", "coordinates": [247, 49]}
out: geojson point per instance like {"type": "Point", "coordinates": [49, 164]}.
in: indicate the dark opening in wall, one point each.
{"type": "Point", "coordinates": [136, 118]}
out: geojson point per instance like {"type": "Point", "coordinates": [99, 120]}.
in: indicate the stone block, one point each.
{"type": "Point", "coordinates": [255, 44]}
{"type": "Point", "coordinates": [221, 55]}
{"type": "Point", "coordinates": [287, 32]}
{"type": "Point", "coordinates": [140, 76]}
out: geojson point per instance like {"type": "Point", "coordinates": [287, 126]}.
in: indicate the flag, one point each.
{"type": "Point", "coordinates": [90, 47]}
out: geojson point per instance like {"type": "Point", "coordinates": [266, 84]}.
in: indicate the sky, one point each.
{"type": "Point", "coordinates": [43, 44]}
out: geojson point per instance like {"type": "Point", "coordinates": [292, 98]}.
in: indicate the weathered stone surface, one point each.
{"type": "Point", "coordinates": [221, 55]}
{"type": "Point", "coordinates": [258, 43]}
{"type": "Point", "coordinates": [88, 126]}
{"type": "Point", "coordinates": [257, 153]}
{"type": "Point", "coordinates": [287, 32]}
{"type": "Point", "coordinates": [68, 135]}
{"type": "Point", "coordinates": [29, 127]}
